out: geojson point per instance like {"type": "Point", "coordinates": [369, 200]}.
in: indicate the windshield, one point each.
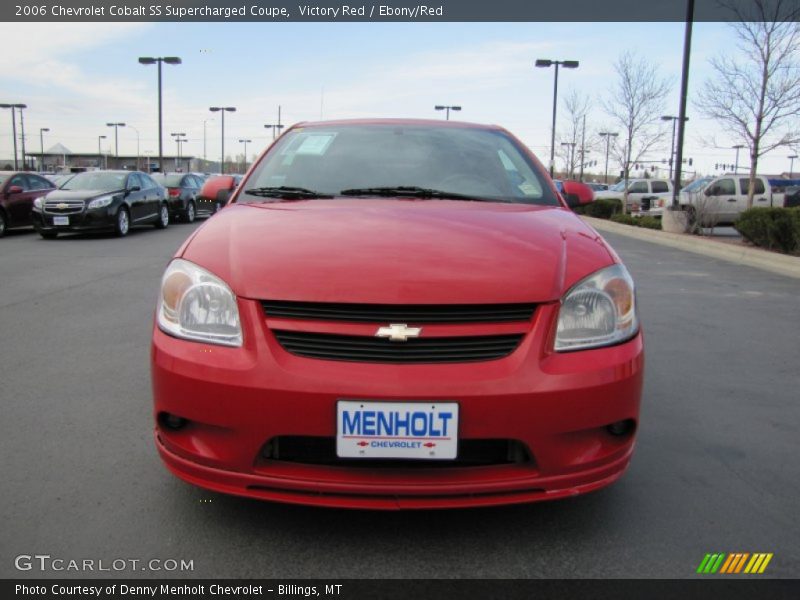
{"type": "Point", "coordinates": [480, 163]}
{"type": "Point", "coordinates": [618, 187]}
{"type": "Point", "coordinates": [168, 180]}
{"type": "Point", "coordinates": [96, 181]}
{"type": "Point", "coordinates": [697, 184]}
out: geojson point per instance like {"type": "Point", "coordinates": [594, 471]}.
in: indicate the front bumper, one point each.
{"type": "Point", "coordinates": [237, 399]}
{"type": "Point", "coordinates": [99, 219]}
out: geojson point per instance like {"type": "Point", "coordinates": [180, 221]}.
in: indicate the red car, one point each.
{"type": "Point", "coordinates": [575, 193]}
{"type": "Point", "coordinates": [397, 314]}
{"type": "Point", "coordinates": [18, 190]}
{"type": "Point", "coordinates": [215, 193]}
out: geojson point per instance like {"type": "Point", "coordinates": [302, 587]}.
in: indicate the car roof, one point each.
{"type": "Point", "coordinates": [426, 122]}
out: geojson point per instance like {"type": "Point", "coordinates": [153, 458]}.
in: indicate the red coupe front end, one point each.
{"type": "Point", "coordinates": [351, 347]}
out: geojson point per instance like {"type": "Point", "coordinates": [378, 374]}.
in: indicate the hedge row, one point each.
{"type": "Point", "coordinates": [600, 208]}
{"type": "Point", "coordinates": [772, 228]}
{"type": "Point", "coordinates": [646, 222]}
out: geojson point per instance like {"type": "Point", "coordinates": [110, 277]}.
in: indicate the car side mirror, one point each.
{"type": "Point", "coordinates": [712, 191]}
{"type": "Point", "coordinates": [15, 189]}
{"type": "Point", "coordinates": [135, 188]}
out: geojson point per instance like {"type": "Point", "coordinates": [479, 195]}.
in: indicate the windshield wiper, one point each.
{"type": "Point", "coordinates": [414, 192]}
{"type": "Point", "coordinates": [286, 192]}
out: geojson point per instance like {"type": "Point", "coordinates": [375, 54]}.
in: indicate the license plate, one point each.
{"type": "Point", "coordinates": [60, 220]}
{"type": "Point", "coordinates": [414, 430]}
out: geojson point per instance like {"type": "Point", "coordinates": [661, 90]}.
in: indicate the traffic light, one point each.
{"type": "Point", "coordinates": [690, 162]}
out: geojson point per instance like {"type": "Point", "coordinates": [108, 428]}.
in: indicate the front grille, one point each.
{"type": "Point", "coordinates": [318, 450]}
{"type": "Point", "coordinates": [64, 207]}
{"type": "Point", "coordinates": [379, 350]}
{"type": "Point", "coordinates": [401, 313]}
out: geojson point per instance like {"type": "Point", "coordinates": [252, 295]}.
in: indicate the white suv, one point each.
{"type": "Point", "coordinates": [658, 191]}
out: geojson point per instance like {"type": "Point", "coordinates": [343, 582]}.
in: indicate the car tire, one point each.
{"type": "Point", "coordinates": [122, 225]}
{"type": "Point", "coordinates": [222, 199]}
{"type": "Point", "coordinates": [2, 224]}
{"type": "Point", "coordinates": [163, 217]}
{"type": "Point", "coordinates": [191, 213]}
{"type": "Point", "coordinates": [49, 235]}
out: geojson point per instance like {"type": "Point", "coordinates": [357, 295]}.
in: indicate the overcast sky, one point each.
{"type": "Point", "coordinates": [77, 77]}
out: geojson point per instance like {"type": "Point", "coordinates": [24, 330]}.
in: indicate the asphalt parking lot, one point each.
{"type": "Point", "coordinates": [716, 468]}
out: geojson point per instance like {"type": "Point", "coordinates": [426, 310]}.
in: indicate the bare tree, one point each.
{"type": "Point", "coordinates": [756, 95]}
{"type": "Point", "coordinates": [635, 106]}
{"type": "Point", "coordinates": [568, 144]}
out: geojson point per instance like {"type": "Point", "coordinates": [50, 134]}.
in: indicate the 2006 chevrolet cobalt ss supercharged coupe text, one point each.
{"type": "Point", "coordinates": [397, 314]}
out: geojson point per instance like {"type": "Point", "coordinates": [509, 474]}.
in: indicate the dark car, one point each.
{"type": "Point", "coordinates": [17, 192]}
{"type": "Point", "coordinates": [216, 192]}
{"type": "Point", "coordinates": [61, 178]}
{"type": "Point", "coordinates": [182, 189]}
{"type": "Point", "coordinates": [102, 201]}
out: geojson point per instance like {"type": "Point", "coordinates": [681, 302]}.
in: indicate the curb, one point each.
{"type": "Point", "coordinates": [782, 264]}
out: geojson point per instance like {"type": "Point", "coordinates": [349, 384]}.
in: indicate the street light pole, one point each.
{"type": "Point", "coordinates": [178, 141]}
{"type": "Point", "coordinates": [150, 60]}
{"type": "Point", "coordinates": [245, 142]}
{"type": "Point", "coordinates": [567, 64]}
{"type": "Point", "coordinates": [14, 128]}
{"type": "Point", "coordinates": [687, 50]}
{"type": "Point", "coordinates": [791, 158]}
{"type": "Point", "coordinates": [274, 128]}
{"type": "Point", "coordinates": [41, 147]}
{"type": "Point", "coordinates": [116, 127]}
{"type": "Point", "coordinates": [672, 143]}
{"type": "Point", "coordinates": [138, 168]}
{"type": "Point", "coordinates": [22, 135]}
{"type": "Point", "coordinates": [222, 110]}
{"type": "Point", "coordinates": [100, 151]}
{"type": "Point", "coordinates": [608, 135]}
{"type": "Point", "coordinates": [447, 110]}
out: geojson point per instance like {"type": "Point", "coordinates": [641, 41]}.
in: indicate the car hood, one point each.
{"type": "Point", "coordinates": [398, 251]}
{"type": "Point", "coordinates": [80, 194]}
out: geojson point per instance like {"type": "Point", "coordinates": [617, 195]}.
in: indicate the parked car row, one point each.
{"type": "Point", "coordinates": [720, 200]}
{"type": "Point", "coordinates": [96, 201]}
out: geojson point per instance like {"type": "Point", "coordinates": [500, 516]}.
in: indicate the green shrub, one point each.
{"type": "Point", "coordinates": [624, 219]}
{"type": "Point", "coordinates": [649, 223]}
{"type": "Point", "coordinates": [772, 228]}
{"type": "Point", "coordinates": [602, 208]}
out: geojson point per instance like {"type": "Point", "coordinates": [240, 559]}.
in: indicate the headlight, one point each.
{"type": "Point", "coordinates": [196, 305]}
{"type": "Point", "coordinates": [38, 203]}
{"type": "Point", "coordinates": [101, 202]}
{"type": "Point", "coordinates": [598, 311]}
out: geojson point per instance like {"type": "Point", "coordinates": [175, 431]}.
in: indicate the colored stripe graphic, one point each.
{"type": "Point", "coordinates": [741, 562]}
{"type": "Point", "coordinates": [703, 563]}
{"type": "Point", "coordinates": [754, 563]}
{"type": "Point", "coordinates": [727, 564]}
{"type": "Point", "coordinates": [764, 564]}
{"type": "Point", "coordinates": [734, 563]}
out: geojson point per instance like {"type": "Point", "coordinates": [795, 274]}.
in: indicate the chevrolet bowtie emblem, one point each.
{"type": "Point", "coordinates": [398, 332]}
{"type": "Point", "coordinates": [61, 205]}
